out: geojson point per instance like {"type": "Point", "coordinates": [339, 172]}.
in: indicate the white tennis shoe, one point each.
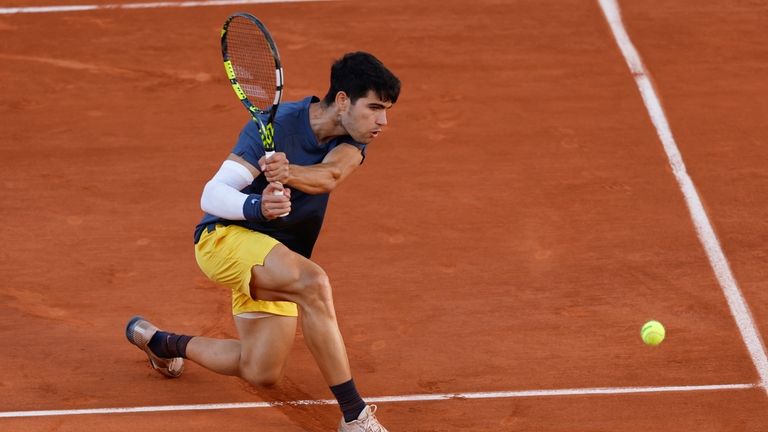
{"type": "Point", "coordinates": [139, 332]}
{"type": "Point", "coordinates": [366, 422]}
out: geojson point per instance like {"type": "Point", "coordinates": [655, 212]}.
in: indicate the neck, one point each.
{"type": "Point", "coordinates": [325, 122]}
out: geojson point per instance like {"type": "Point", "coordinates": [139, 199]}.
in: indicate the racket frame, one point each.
{"type": "Point", "coordinates": [266, 131]}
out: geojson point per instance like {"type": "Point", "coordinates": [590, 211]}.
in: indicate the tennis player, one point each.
{"type": "Point", "coordinates": [243, 243]}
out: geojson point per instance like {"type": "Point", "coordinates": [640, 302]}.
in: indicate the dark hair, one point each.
{"type": "Point", "coordinates": [357, 73]}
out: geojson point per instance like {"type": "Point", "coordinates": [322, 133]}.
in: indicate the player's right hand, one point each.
{"type": "Point", "coordinates": [274, 206]}
{"type": "Point", "coordinates": [276, 168]}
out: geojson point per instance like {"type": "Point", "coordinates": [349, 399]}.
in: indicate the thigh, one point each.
{"type": "Point", "coordinates": [227, 255]}
{"type": "Point", "coordinates": [283, 275]}
{"type": "Point", "coordinates": [266, 342]}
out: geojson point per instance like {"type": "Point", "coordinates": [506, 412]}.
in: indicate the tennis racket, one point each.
{"type": "Point", "coordinates": [252, 63]}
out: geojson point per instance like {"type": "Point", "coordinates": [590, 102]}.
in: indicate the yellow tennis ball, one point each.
{"type": "Point", "coordinates": [653, 333]}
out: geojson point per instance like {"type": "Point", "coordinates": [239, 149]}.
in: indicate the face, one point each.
{"type": "Point", "coordinates": [365, 119]}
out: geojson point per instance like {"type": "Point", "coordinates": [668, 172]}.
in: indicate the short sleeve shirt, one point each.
{"type": "Point", "coordinates": [293, 136]}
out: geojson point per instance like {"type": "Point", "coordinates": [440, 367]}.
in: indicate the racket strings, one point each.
{"type": "Point", "coordinates": [252, 61]}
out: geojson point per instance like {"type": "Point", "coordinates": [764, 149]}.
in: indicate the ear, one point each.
{"type": "Point", "coordinates": [342, 101]}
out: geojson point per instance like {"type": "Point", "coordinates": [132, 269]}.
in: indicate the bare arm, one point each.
{"type": "Point", "coordinates": [315, 179]}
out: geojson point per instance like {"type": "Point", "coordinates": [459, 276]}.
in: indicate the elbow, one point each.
{"type": "Point", "coordinates": [333, 180]}
{"type": "Point", "coordinates": [328, 187]}
{"type": "Point", "coordinates": [317, 188]}
{"type": "Point", "coordinates": [205, 198]}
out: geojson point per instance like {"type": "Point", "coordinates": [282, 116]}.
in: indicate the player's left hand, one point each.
{"type": "Point", "coordinates": [276, 168]}
{"type": "Point", "coordinates": [273, 205]}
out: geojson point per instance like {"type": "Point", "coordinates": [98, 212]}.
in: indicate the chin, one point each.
{"type": "Point", "coordinates": [365, 139]}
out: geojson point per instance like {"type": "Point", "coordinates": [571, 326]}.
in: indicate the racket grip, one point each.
{"type": "Point", "coordinates": [280, 193]}
{"type": "Point", "coordinates": [268, 154]}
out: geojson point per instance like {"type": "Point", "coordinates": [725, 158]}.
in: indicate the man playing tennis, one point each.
{"type": "Point", "coordinates": [244, 243]}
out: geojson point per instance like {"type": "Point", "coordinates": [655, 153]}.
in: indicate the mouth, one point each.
{"type": "Point", "coordinates": [375, 133]}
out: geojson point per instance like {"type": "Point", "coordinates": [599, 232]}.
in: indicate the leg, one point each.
{"type": "Point", "coordinates": [265, 342]}
{"type": "Point", "coordinates": [258, 357]}
{"type": "Point", "coordinates": [275, 274]}
{"type": "Point", "coordinates": [287, 276]}
{"type": "Point", "coordinates": [227, 255]}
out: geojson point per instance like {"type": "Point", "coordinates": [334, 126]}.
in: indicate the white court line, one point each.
{"type": "Point", "coordinates": [736, 302]}
{"type": "Point", "coordinates": [704, 230]}
{"type": "Point", "coordinates": [385, 399]}
{"type": "Point", "coordinates": [181, 4]}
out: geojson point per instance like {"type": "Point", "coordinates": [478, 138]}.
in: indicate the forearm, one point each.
{"type": "Point", "coordinates": [314, 179]}
{"type": "Point", "coordinates": [222, 197]}
{"type": "Point", "coordinates": [319, 178]}
{"type": "Point", "coordinates": [223, 201]}
{"type": "Point", "coordinates": [226, 202]}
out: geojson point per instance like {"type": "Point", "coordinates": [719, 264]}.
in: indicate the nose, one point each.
{"type": "Point", "coordinates": [381, 119]}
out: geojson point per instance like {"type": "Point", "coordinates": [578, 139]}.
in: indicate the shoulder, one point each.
{"type": "Point", "coordinates": [249, 132]}
{"type": "Point", "coordinates": [347, 145]}
{"type": "Point", "coordinates": [346, 139]}
{"type": "Point", "coordinates": [294, 108]}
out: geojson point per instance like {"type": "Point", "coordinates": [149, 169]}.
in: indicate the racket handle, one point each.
{"type": "Point", "coordinates": [280, 193]}
{"type": "Point", "coordinates": [268, 155]}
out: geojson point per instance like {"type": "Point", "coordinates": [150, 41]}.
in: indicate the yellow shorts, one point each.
{"type": "Point", "coordinates": [227, 255]}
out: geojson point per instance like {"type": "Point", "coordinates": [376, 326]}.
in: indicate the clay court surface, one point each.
{"type": "Point", "coordinates": [511, 230]}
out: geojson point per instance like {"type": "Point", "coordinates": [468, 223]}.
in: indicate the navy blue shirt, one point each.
{"type": "Point", "coordinates": [293, 136]}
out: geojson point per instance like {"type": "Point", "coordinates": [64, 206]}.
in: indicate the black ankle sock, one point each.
{"type": "Point", "coordinates": [169, 345]}
{"type": "Point", "coordinates": [349, 400]}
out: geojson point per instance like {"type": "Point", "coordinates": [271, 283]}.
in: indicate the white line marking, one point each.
{"type": "Point", "coordinates": [703, 228]}
{"type": "Point", "coordinates": [736, 302]}
{"type": "Point", "coordinates": [182, 4]}
{"type": "Point", "coordinates": [385, 399]}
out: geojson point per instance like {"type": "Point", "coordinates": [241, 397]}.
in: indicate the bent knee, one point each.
{"type": "Point", "coordinates": [300, 281]}
{"type": "Point", "coordinates": [263, 381]}
{"type": "Point", "coordinates": [261, 377]}
{"type": "Point", "coordinates": [314, 288]}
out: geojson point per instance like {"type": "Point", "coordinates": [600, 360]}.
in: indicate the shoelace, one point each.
{"type": "Point", "coordinates": [371, 424]}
